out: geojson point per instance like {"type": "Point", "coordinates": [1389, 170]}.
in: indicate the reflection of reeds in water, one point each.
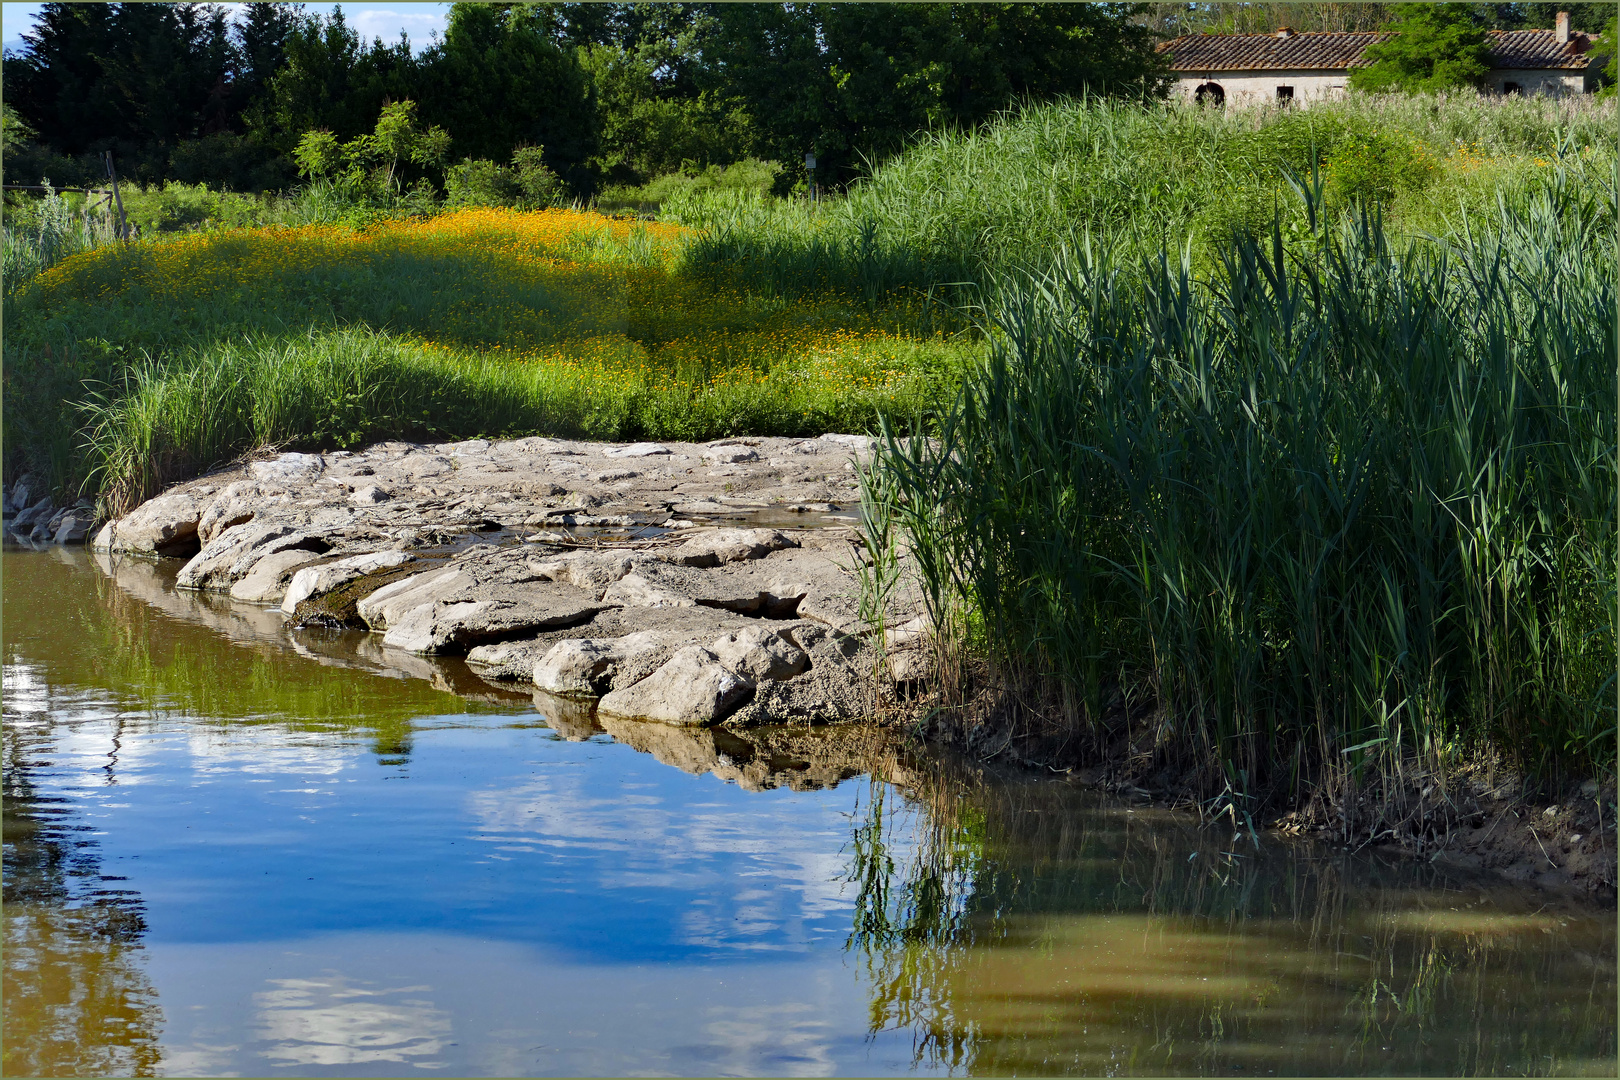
{"type": "Point", "coordinates": [77, 1001]}
{"type": "Point", "coordinates": [1021, 928]}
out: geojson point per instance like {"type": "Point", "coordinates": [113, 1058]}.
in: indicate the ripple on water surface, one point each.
{"type": "Point", "coordinates": [229, 850]}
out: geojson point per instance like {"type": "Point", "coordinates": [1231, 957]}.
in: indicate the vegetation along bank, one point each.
{"type": "Point", "coordinates": [1296, 502]}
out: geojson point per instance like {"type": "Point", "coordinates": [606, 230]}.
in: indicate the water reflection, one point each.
{"type": "Point", "coordinates": [331, 1021]}
{"type": "Point", "coordinates": [1033, 931]}
{"type": "Point", "coordinates": [394, 867]}
{"type": "Point", "coordinates": [77, 999]}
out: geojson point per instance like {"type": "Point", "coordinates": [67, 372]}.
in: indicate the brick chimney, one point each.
{"type": "Point", "coordinates": [1563, 28]}
{"type": "Point", "coordinates": [1286, 32]}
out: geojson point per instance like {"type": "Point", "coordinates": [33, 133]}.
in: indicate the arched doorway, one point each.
{"type": "Point", "coordinates": [1210, 93]}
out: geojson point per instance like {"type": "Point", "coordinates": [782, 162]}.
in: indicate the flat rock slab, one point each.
{"type": "Point", "coordinates": [398, 485]}
{"type": "Point", "coordinates": [745, 611]}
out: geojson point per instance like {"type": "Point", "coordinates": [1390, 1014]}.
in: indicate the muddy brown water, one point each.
{"type": "Point", "coordinates": [234, 849]}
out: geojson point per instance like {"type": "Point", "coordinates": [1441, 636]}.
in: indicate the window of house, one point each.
{"type": "Point", "coordinates": [1512, 88]}
{"type": "Point", "coordinates": [1285, 93]}
{"type": "Point", "coordinates": [1210, 93]}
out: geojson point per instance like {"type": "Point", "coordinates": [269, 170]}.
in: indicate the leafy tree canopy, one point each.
{"type": "Point", "coordinates": [1439, 47]}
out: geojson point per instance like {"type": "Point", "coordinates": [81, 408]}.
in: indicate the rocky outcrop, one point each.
{"type": "Point", "coordinates": [689, 585]}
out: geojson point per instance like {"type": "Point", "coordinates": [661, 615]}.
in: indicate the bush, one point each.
{"type": "Point", "coordinates": [230, 163]}
{"type": "Point", "coordinates": [526, 184]}
{"type": "Point", "coordinates": [748, 177]}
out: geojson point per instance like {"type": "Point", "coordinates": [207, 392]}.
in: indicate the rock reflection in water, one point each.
{"type": "Point", "coordinates": [128, 631]}
{"type": "Point", "coordinates": [1033, 931]}
{"type": "Point", "coordinates": [77, 1001]}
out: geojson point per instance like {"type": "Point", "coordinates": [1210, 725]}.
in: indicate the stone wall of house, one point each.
{"type": "Point", "coordinates": [1552, 83]}
{"type": "Point", "coordinates": [1261, 87]}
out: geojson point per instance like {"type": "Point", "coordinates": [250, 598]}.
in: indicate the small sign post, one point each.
{"type": "Point", "coordinates": [810, 164]}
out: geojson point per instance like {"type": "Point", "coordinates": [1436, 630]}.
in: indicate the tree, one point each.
{"type": "Point", "coordinates": [13, 132]}
{"type": "Point", "coordinates": [261, 37]}
{"type": "Point", "coordinates": [331, 79]}
{"type": "Point", "coordinates": [1438, 47]}
{"type": "Point", "coordinates": [646, 128]}
{"type": "Point", "coordinates": [90, 75]}
{"type": "Point", "coordinates": [853, 81]}
{"type": "Point", "coordinates": [498, 80]}
{"type": "Point", "coordinates": [395, 139]}
{"type": "Point", "coordinates": [1610, 43]}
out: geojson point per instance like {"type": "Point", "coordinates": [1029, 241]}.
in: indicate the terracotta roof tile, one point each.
{"type": "Point", "coordinates": [1539, 49]}
{"type": "Point", "coordinates": [1268, 52]}
{"type": "Point", "coordinates": [1536, 49]}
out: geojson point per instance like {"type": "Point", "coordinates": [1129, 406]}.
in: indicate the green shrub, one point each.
{"type": "Point", "coordinates": [527, 183]}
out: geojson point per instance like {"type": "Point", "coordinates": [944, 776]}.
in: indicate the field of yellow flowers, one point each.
{"type": "Point", "coordinates": [474, 322]}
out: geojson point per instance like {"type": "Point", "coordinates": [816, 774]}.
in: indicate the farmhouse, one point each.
{"type": "Point", "coordinates": [1284, 66]}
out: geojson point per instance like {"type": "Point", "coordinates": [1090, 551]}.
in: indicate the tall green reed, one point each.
{"type": "Point", "coordinates": [1345, 504]}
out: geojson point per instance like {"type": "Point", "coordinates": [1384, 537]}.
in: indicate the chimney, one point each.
{"type": "Point", "coordinates": [1563, 28]}
{"type": "Point", "coordinates": [1286, 32]}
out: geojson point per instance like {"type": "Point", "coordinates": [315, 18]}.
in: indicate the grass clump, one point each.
{"type": "Point", "coordinates": [1347, 506]}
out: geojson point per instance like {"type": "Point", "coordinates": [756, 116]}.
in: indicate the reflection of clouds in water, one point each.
{"type": "Point", "coordinates": [328, 1022]}
{"type": "Point", "coordinates": [199, 1059]}
{"type": "Point", "coordinates": [760, 870]}
{"type": "Point", "coordinates": [785, 1039]}
{"type": "Point", "coordinates": [309, 756]}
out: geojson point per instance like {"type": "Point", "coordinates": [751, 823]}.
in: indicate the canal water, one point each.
{"type": "Point", "coordinates": [231, 849]}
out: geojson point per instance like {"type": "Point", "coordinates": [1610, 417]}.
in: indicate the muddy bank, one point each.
{"type": "Point", "coordinates": [1486, 816]}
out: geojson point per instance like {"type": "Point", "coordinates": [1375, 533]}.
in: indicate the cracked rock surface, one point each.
{"type": "Point", "coordinates": [678, 583]}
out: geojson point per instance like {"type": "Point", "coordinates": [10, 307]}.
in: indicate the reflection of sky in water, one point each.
{"type": "Point", "coordinates": [470, 895]}
{"type": "Point", "coordinates": [588, 848]}
{"type": "Point", "coordinates": [329, 1021]}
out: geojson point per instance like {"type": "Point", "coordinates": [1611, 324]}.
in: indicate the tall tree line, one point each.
{"type": "Point", "coordinates": [615, 93]}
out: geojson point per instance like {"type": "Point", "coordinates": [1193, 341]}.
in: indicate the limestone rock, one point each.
{"type": "Point", "coordinates": [226, 560]}
{"type": "Point", "coordinates": [453, 609]}
{"type": "Point", "coordinates": [236, 504]}
{"type": "Point", "coordinates": [166, 525]}
{"type": "Point", "coordinates": [728, 545]}
{"type": "Point", "coordinates": [635, 450]}
{"type": "Point", "coordinates": [24, 522]}
{"type": "Point", "coordinates": [385, 607]}
{"type": "Point", "coordinates": [646, 591]}
{"type": "Point", "coordinates": [729, 455]}
{"type": "Point", "coordinates": [588, 665]}
{"type": "Point", "coordinates": [592, 571]}
{"type": "Point", "coordinates": [72, 527]}
{"type": "Point", "coordinates": [693, 687]}
{"type": "Point", "coordinates": [266, 581]}
{"type": "Point", "coordinates": [370, 495]}
{"type": "Point", "coordinates": [759, 653]}
{"type": "Point", "coordinates": [314, 581]}
{"type": "Point", "coordinates": [288, 469]}
{"type": "Point", "coordinates": [454, 625]}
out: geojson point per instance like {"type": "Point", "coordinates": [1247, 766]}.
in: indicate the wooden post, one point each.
{"type": "Point", "coordinates": [112, 174]}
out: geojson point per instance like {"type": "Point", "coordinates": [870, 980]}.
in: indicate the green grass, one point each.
{"type": "Point", "coordinates": [1348, 505]}
{"type": "Point", "coordinates": [131, 367]}
{"type": "Point", "coordinates": [972, 205]}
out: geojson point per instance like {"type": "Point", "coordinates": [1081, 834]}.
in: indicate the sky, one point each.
{"type": "Point", "coordinates": [371, 20]}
